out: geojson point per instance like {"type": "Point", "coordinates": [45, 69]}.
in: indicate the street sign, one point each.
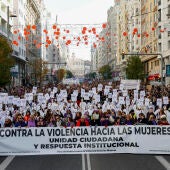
{"type": "Point", "coordinates": [168, 70]}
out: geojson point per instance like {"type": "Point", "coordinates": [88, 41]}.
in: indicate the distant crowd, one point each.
{"type": "Point", "coordinates": [87, 104]}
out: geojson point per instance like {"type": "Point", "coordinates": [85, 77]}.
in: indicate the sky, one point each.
{"type": "Point", "coordinates": [80, 12]}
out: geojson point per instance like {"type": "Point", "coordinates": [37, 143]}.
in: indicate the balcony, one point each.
{"type": "Point", "coordinates": [159, 36]}
{"type": "Point", "coordinates": [3, 30]}
{"type": "Point", "coordinates": [159, 2]}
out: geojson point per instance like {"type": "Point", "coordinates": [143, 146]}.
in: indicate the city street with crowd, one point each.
{"type": "Point", "coordinates": [88, 104]}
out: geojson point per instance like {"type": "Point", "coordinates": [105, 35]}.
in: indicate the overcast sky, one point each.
{"type": "Point", "coordinates": [80, 12]}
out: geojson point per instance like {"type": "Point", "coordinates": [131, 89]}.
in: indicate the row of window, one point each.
{"type": "Point", "coordinates": [22, 52]}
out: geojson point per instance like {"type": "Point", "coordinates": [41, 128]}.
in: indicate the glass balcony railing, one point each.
{"type": "Point", "coordinates": [159, 2]}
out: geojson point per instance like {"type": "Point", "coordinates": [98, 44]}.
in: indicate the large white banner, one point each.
{"type": "Point", "coordinates": [77, 140]}
{"type": "Point", "coordinates": [130, 84]}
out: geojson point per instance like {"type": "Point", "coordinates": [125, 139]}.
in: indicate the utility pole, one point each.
{"type": "Point", "coordinates": [149, 54]}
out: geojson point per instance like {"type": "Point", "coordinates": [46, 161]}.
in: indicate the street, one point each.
{"type": "Point", "coordinates": [86, 162]}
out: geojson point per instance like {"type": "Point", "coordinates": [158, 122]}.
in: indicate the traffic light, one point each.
{"type": "Point", "coordinates": [123, 55]}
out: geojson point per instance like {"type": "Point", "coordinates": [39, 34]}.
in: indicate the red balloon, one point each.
{"type": "Point", "coordinates": [28, 27]}
{"type": "Point", "coordinates": [94, 29]}
{"type": "Point", "coordinates": [57, 33]}
{"type": "Point", "coordinates": [147, 35]}
{"type": "Point", "coordinates": [68, 42]}
{"type": "Point", "coordinates": [45, 31]}
{"type": "Point", "coordinates": [54, 27]}
{"type": "Point", "coordinates": [125, 34]}
{"type": "Point", "coordinates": [103, 39]}
{"type": "Point", "coordinates": [84, 28]}
{"type": "Point", "coordinates": [34, 27]}
{"type": "Point", "coordinates": [15, 32]}
{"type": "Point", "coordinates": [94, 45]}
{"type": "Point", "coordinates": [104, 25]}
{"type": "Point", "coordinates": [14, 42]}
{"type": "Point", "coordinates": [135, 30]}
{"type": "Point", "coordinates": [25, 33]}
{"type": "Point", "coordinates": [133, 33]}
{"type": "Point", "coordinates": [83, 31]}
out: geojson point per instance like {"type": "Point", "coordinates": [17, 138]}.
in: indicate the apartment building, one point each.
{"type": "Point", "coordinates": [6, 9]}
{"type": "Point", "coordinates": [134, 26]}
{"type": "Point", "coordinates": [33, 17]}
{"type": "Point", "coordinates": [111, 38]}
{"type": "Point", "coordinates": [19, 52]}
{"type": "Point", "coordinates": [149, 38]}
{"type": "Point", "coordinates": [102, 50]}
{"type": "Point", "coordinates": [164, 35]}
{"type": "Point", "coordinates": [123, 40]}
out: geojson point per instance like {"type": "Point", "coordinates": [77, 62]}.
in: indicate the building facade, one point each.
{"type": "Point", "coordinates": [164, 35]}
{"type": "Point", "coordinates": [19, 52]}
{"type": "Point", "coordinates": [149, 38]}
{"type": "Point", "coordinates": [77, 66]}
{"type": "Point", "coordinates": [33, 17]}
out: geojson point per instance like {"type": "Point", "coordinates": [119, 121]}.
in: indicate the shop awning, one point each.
{"type": "Point", "coordinates": [154, 76]}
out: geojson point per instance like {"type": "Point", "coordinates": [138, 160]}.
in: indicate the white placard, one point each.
{"type": "Point", "coordinates": [34, 90]}
{"type": "Point", "coordinates": [73, 97]}
{"type": "Point", "coordinates": [165, 100]}
{"type": "Point", "coordinates": [159, 103]}
{"type": "Point", "coordinates": [86, 96]}
{"type": "Point", "coordinates": [121, 100]}
{"type": "Point", "coordinates": [97, 98]}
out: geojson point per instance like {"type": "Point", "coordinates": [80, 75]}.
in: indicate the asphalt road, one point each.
{"type": "Point", "coordinates": [86, 162]}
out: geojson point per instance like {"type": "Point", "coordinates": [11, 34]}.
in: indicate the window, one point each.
{"type": "Point", "coordinates": [19, 51]}
{"type": "Point", "coordinates": [160, 47]}
{"type": "Point", "coordinates": [169, 44]}
{"type": "Point", "coordinates": [159, 15]}
{"type": "Point", "coordinates": [168, 33]}
{"type": "Point", "coordinates": [169, 10]}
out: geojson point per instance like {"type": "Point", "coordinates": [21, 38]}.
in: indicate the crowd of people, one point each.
{"type": "Point", "coordinates": [87, 104]}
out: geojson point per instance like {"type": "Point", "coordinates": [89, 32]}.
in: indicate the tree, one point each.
{"type": "Point", "coordinates": [60, 74]}
{"type": "Point", "coordinates": [69, 74]}
{"type": "Point", "coordinates": [91, 75]}
{"type": "Point", "coordinates": [40, 69]}
{"type": "Point", "coordinates": [135, 68]}
{"type": "Point", "coordinates": [105, 71]}
{"type": "Point", "coordinates": [6, 61]}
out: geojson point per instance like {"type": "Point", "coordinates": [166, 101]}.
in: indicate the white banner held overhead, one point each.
{"type": "Point", "coordinates": [130, 84]}
{"type": "Point", "coordinates": [78, 140]}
